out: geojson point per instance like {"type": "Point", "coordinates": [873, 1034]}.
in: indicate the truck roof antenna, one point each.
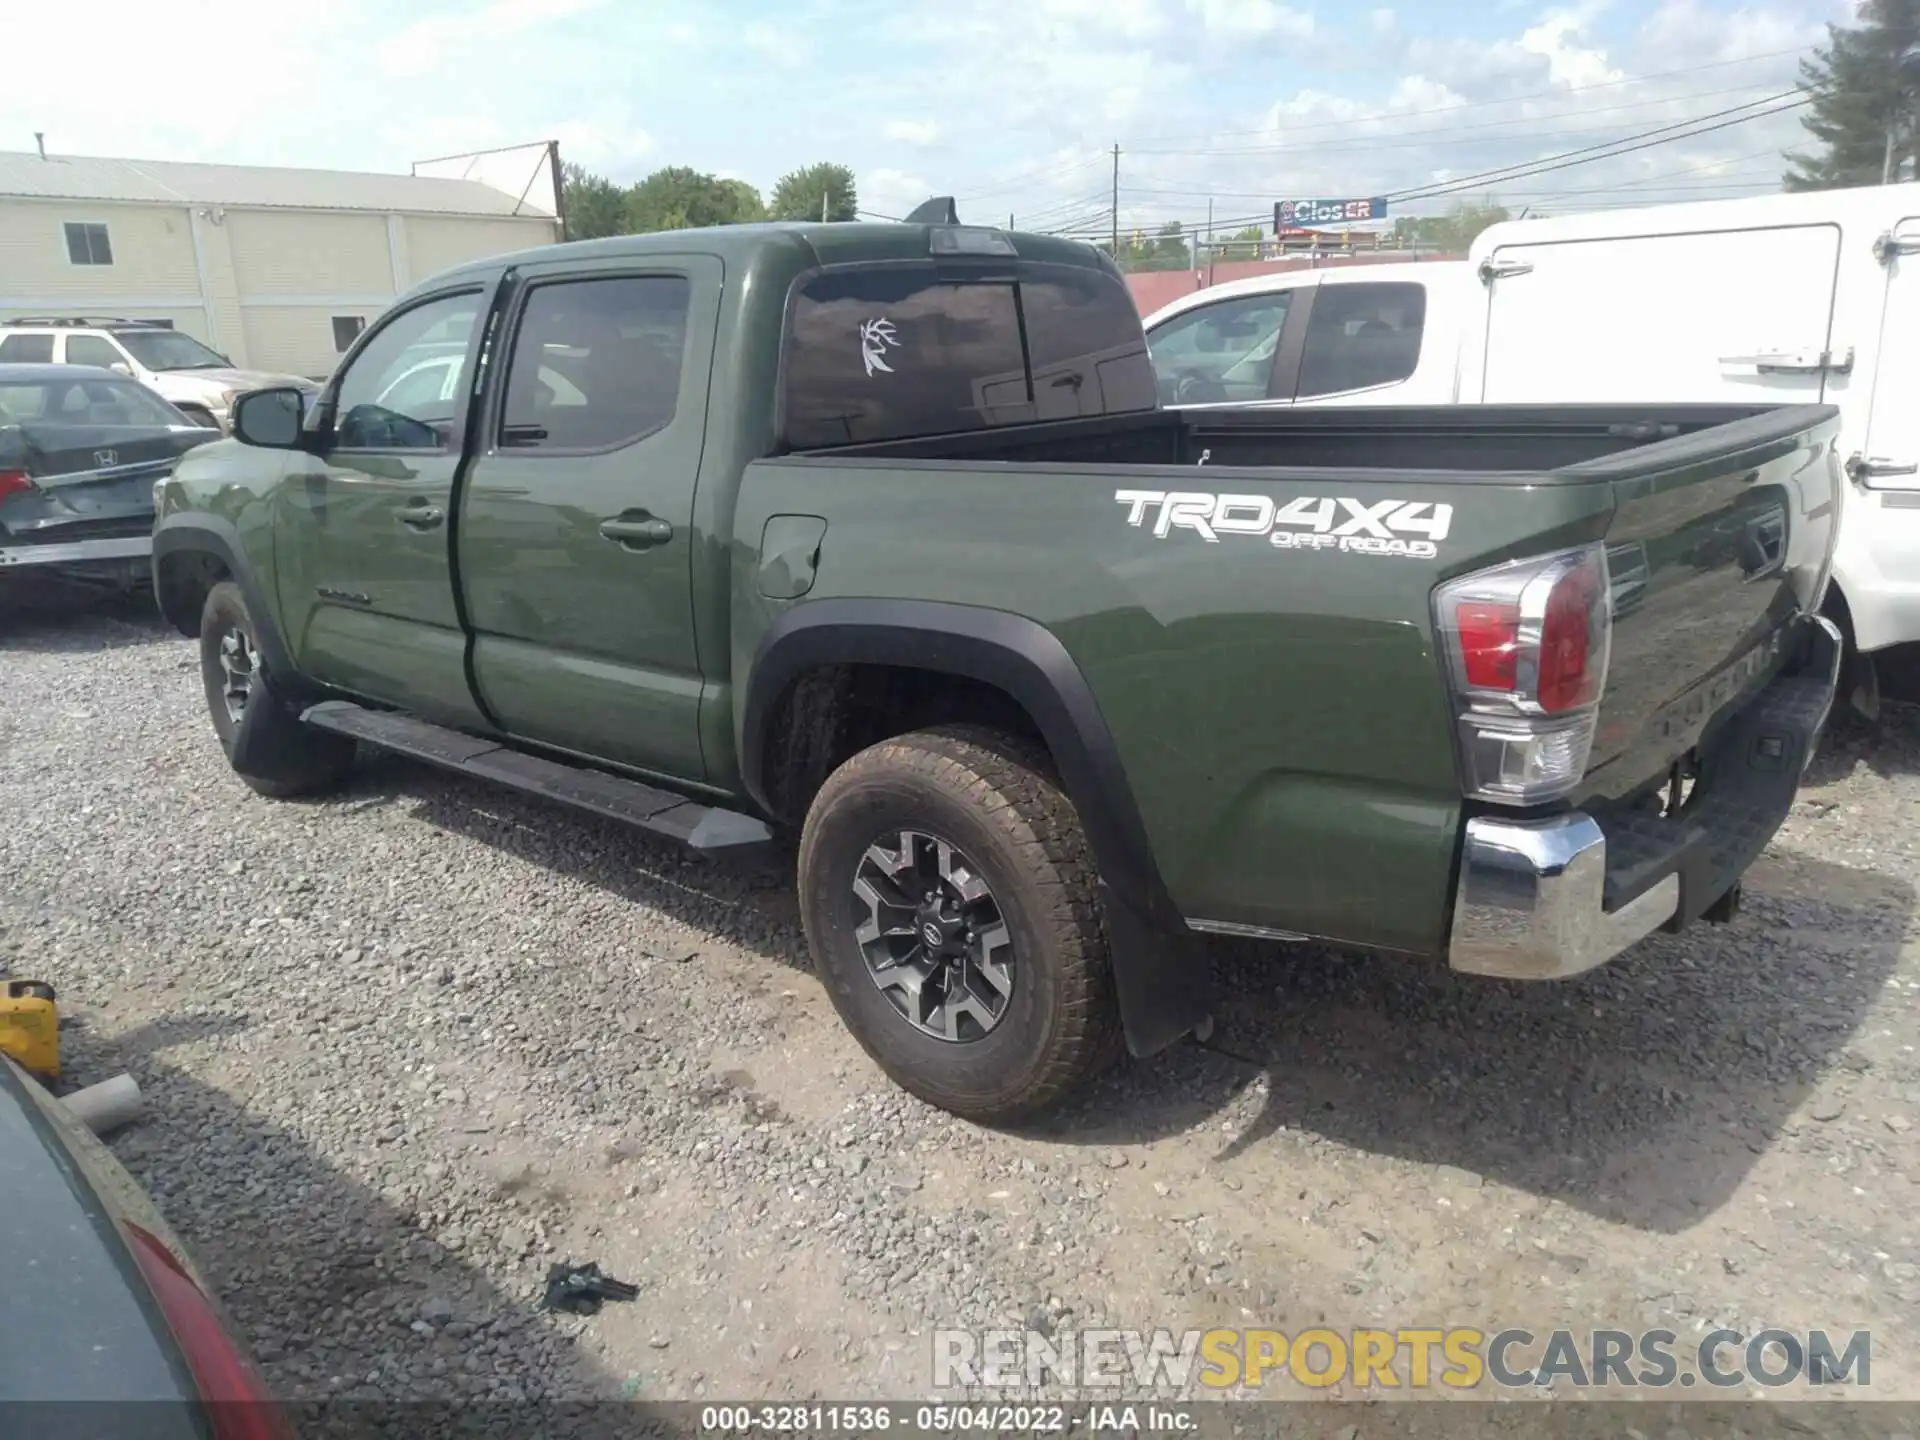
{"type": "Point", "coordinates": [937, 211]}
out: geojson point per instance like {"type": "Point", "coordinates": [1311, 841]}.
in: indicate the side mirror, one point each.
{"type": "Point", "coordinates": [269, 419]}
{"type": "Point", "coordinates": [120, 367]}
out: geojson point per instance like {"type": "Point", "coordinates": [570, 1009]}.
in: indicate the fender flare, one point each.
{"type": "Point", "coordinates": [200, 533]}
{"type": "Point", "coordinates": [1160, 968]}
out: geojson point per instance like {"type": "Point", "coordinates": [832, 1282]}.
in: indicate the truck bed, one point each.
{"type": "Point", "coordinates": [1485, 442]}
{"type": "Point", "coordinates": [1276, 689]}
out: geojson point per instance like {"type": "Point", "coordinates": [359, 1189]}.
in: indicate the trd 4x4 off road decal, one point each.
{"type": "Point", "coordinates": [1308, 522]}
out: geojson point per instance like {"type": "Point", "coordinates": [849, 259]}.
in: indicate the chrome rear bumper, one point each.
{"type": "Point", "coordinates": [1530, 900]}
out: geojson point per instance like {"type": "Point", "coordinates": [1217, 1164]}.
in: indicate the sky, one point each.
{"type": "Point", "coordinates": [1012, 106]}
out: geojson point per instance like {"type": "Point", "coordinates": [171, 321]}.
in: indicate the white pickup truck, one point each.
{"type": "Point", "coordinates": [1777, 299]}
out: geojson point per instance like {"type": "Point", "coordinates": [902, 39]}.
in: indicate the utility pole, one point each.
{"type": "Point", "coordinates": [1210, 249]}
{"type": "Point", "coordinates": [1116, 202]}
{"type": "Point", "coordinates": [826, 199]}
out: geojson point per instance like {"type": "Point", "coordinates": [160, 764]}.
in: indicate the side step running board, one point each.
{"type": "Point", "coordinates": [704, 828]}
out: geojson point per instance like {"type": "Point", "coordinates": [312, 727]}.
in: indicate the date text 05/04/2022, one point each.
{"type": "Point", "coordinates": [942, 1419]}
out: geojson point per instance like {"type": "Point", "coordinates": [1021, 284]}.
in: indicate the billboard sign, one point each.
{"type": "Point", "coordinates": [1292, 214]}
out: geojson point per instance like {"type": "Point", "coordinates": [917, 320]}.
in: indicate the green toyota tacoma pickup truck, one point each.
{"type": "Point", "coordinates": [876, 535]}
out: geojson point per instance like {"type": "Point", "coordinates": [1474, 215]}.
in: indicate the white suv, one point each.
{"type": "Point", "coordinates": [201, 383]}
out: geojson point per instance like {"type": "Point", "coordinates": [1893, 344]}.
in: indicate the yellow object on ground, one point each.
{"type": "Point", "coordinates": [30, 1027]}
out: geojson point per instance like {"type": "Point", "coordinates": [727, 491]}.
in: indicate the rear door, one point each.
{"type": "Point", "coordinates": [1736, 315]}
{"type": "Point", "coordinates": [362, 525]}
{"type": "Point", "coordinates": [1889, 458]}
{"type": "Point", "coordinates": [1363, 343]}
{"type": "Point", "coordinates": [93, 350]}
{"type": "Point", "coordinates": [576, 522]}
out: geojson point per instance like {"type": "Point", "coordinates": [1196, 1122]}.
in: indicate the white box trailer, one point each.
{"type": "Point", "coordinates": [1777, 299]}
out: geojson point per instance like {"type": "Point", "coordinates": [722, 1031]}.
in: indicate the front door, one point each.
{"type": "Point", "coordinates": [1225, 353]}
{"type": "Point", "coordinates": [576, 527]}
{"type": "Point", "coordinates": [364, 519]}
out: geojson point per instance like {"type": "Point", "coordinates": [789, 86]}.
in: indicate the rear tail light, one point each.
{"type": "Point", "coordinates": [1526, 646]}
{"type": "Point", "coordinates": [238, 1403]}
{"type": "Point", "coordinates": [14, 482]}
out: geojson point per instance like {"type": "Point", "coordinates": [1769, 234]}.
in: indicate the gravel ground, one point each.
{"type": "Point", "coordinates": [404, 1048]}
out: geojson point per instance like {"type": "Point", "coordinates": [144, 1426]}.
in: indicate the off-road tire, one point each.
{"type": "Point", "coordinates": [302, 760]}
{"type": "Point", "coordinates": [995, 798]}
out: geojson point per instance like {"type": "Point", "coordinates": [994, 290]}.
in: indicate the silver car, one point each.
{"type": "Point", "coordinates": [198, 381]}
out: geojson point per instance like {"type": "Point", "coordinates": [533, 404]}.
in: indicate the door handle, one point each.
{"type": "Point", "coordinates": [637, 532]}
{"type": "Point", "coordinates": [422, 517]}
{"type": "Point", "coordinates": [1861, 468]}
{"type": "Point", "coordinates": [1795, 362]}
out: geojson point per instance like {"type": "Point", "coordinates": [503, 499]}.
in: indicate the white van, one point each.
{"type": "Point", "coordinates": [1346, 335]}
{"type": "Point", "coordinates": [1776, 299]}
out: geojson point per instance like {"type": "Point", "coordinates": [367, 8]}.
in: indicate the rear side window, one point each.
{"type": "Point", "coordinates": [1360, 336]}
{"type": "Point", "coordinates": [596, 363]}
{"type": "Point", "coordinates": [889, 352]}
{"type": "Point", "coordinates": [92, 350]}
{"type": "Point", "coordinates": [26, 350]}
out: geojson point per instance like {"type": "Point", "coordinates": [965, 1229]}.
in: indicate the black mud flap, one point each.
{"type": "Point", "coordinates": [271, 743]}
{"type": "Point", "coordinates": [1164, 981]}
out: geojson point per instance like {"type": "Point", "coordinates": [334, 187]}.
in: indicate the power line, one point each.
{"type": "Point", "coordinates": [1014, 183]}
{"type": "Point", "coordinates": [1661, 135]}
{"type": "Point", "coordinates": [1466, 134]}
{"type": "Point", "coordinates": [1050, 214]}
{"type": "Point", "coordinates": [1588, 154]}
{"type": "Point", "coordinates": [1145, 140]}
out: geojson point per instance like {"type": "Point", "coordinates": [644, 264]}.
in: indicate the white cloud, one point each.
{"type": "Point", "coordinates": [1557, 40]}
{"type": "Point", "coordinates": [891, 192]}
{"type": "Point", "coordinates": [1686, 27]}
{"type": "Point", "coordinates": [1244, 19]}
{"type": "Point", "coordinates": [777, 44]}
{"type": "Point", "coordinates": [1121, 19]}
{"type": "Point", "coordinates": [912, 132]}
{"type": "Point", "coordinates": [425, 45]}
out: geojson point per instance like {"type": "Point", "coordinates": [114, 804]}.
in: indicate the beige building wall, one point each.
{"type": "Point", "coordinates": [153, 274]}
{"type": "Point", "coordinates": [439, 242]}
{"type": "Point", "coordinates": [280, 254]}
{"type": "Point", "coordinates": [292, 339]}
{"type": "Point", "coordinates": [263, 286]}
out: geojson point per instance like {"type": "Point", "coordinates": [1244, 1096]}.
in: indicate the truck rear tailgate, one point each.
{"type": "Point", "coordinates": [1720, 540]}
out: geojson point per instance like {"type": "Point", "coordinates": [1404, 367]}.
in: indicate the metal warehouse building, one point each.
{"type": "Point", "coordinates": [278, 268]}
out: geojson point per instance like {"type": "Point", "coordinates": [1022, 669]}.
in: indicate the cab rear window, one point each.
{"type": "Point", "coordinates": [890, 352]}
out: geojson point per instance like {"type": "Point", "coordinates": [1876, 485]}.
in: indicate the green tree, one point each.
{"type": "Point", "coordinates": [748, 206]}
{"type": "Point", "coordinates": [804, 194]}
{"type": "Point", "coordinates": [1165, 249]}
{"type": "Point", "coordinates": [1241, 245]}
{"type": "Point", "coordinates": [680, 198]}
{"type": "Point", "coordinates": [595, 205]}
{"type": "Point", "coordinates": [1865, 86]}
{"type": "Point", "coordinates": [1454, 231]}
